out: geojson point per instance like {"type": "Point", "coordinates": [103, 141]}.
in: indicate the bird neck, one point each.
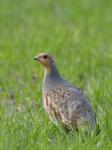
{"type": "Point", "coordinates": [52, 73]}
{"type": "Point", "coordinates": [52, 78]}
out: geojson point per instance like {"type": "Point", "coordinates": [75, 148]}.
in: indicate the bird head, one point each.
{"type": "Point", "coordinates": [45, 59]}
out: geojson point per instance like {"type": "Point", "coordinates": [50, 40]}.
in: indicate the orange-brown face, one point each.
{"type": "Point", "coordinates": [45, 60]}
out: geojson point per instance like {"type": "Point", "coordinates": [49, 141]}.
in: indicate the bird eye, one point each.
{"type": "Point", "coordinates": [45, 56]}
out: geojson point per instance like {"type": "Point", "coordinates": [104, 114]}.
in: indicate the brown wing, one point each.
{"type": "Point", "coordinates": [67, 106]}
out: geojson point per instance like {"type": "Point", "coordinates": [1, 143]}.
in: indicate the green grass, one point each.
{"type": "Point", "coordinates": [79, 35]}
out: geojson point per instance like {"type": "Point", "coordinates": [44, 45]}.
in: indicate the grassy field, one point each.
{"type": "Point", "coordinates": [79, 35]}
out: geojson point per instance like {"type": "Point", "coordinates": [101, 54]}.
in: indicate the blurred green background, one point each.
{"type": "Point", "coordinates": [78, 35]}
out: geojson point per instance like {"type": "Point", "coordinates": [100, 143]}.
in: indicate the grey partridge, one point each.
{"type": "Point", "coordinates": [64, 104]}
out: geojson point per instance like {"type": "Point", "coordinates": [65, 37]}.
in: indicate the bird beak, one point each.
{"type": "Point", "coordinates": [36, 58]}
